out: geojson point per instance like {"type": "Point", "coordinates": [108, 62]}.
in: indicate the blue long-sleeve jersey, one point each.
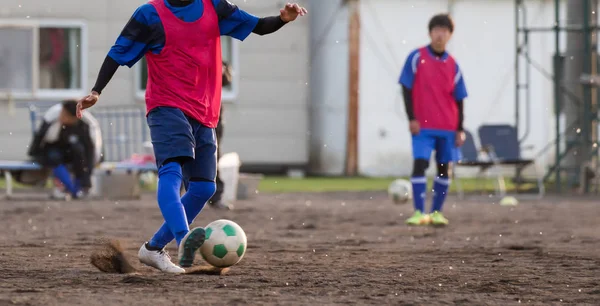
{"type": "Point", "coordinates": [144, 32]}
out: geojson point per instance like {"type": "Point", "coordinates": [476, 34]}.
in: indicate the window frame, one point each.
{"type": "Point", "coordinates": [52, 94]}
{"type": "Point", "coordinates": [228, 96]}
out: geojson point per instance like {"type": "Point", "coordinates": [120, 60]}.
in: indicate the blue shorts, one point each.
{"type": "Point", "coordinates": [443, 142]}
{"type": "Point", "coordinates": [175, 135]}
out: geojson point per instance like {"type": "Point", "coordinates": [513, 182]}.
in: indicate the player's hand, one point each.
{"type": "Point", "coordinates": [86, 102]}
{"type": "Point", "coordinates": [414, 127]}
{"type": "Point", "coordinates": [291, 11]}
{"type": "Point", "coordinates": [460, 138]}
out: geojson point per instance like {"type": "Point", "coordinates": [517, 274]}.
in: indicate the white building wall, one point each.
{"type": "Point", "coordinates": [329, 86]}
{"type": "Point", "coordinates": [267, 123]}
{"type": "Point", "coordinates": [483, 45]}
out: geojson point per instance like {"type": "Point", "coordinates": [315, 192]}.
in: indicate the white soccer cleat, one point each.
{"type": "Point", "coordinates": [159, 260]}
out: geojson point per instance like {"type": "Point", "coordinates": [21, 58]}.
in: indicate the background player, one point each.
{"type": "Point", "coordinates": [64, 143]}
{"type": "Point", "coordinates": [433, 90]}
{"type": "Point", "coordinates": [217, 199]}
{"type": "Point", "coordinates": [181, 42]}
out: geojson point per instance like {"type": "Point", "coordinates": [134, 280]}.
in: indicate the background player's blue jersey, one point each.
{"type": "Point", "coordinates": [144, 32]}
{"type": "Point", "coordinates": [407, 78]}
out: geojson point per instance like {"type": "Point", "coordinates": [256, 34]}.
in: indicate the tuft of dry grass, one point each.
{"type": "Point", "coordinates": [109, 257]}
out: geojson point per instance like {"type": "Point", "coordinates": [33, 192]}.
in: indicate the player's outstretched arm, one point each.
{"type": "Point", "coordinates": [107, 71]}
{"type": "Point", "coordinates": [413, 124]}
{"type": "Point", "coordinates": [268, 25]}
{"type": "Point", "coordinates": [239, 24]}
{"type": "Point", "coordinates": [408, 103]}
{"type": "Point", "coordinates": [137, 37]}
{"type": "Point", "coordinates": [407, 79]}
{"type": "Point", "coordinates": [291, 11]}
{"type": "Point", "coordinates": [460, 94]}
{"type": "Point", "coordinates": [460, 132]}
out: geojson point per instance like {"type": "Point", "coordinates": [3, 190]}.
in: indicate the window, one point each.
{"type": "Point", "coordinates": [44, 59]}
{"type": "Point", "coordinates": [60, 58]}
{"type": "Point", "coordinates": [229, 52]}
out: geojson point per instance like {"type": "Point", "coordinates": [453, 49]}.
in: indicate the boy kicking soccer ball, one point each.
{"type": "Point", "coordinates": [181, 42]}
{"type": "Point", "coordinates": [433, 90]}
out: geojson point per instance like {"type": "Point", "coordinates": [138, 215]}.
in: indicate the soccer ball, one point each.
{"type": "Point", "coordinates": [400, 191]}
{"type": "Point", "coordinates": [225, 243]}
{"type": "Point", "coordinates": [148, 179]}
{"type": "Point", "coordinates": [509, 201]}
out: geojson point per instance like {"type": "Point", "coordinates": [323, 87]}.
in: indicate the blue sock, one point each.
{"type": "Point", "coordinates": [419, 186]}
{"type": "Point", "coordinates": [62, 174]}
{"type": "Point", "coordinates": [193, 201]}
{"type": "Point", "coordinates": [440, 189]}
{"type": "Point", "coordinates": [169, 200]}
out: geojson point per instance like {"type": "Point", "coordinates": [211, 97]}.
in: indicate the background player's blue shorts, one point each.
{"type": "Point", "coordinates": [443, 142]}
{"type": "Point", "coordinates": [176, 135]}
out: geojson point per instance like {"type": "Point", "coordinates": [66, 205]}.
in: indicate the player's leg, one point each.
{"type": "Point", "coordinates": [62, 173]}
{"type": "Point", "coordinates": [75, 157]}
{"type": "Point", "coordinates": [445, 151]}
{"type": "Point", "coordinates": [422, 146]}
{"type": "Point", "coordinates": [193, 201]}
{"type": "Point", "coordinates": [173, 143]}
{"type": "Point", "coordinates": [199, 174]}
{"type": "Point", "coordinates": [217, 199]}
{"type": "Point", "coordinates": [172, 176]}
{"type": "Point", "coordinates": [54, 158]}
{"type": "Point", "coordinates": [440, 191]}
{"type": "Point", "coordinates": [202, 172]}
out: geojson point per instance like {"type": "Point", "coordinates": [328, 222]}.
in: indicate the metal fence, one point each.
{"type": "Point", "coordinates": [124, 128]}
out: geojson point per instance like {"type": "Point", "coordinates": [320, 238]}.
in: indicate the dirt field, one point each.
{"type": "Point", "coordinates": [336, 248]}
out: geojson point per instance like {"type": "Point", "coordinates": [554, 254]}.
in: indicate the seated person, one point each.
{"type": "Point", "coordinates": [65, 143]}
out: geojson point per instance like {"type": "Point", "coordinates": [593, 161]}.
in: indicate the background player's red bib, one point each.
{"type": "Point", "coordinates": [187, 72]}
{"type": "Point", "coordinates": [434, 103]}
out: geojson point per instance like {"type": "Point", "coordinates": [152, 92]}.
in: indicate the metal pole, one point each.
{"type": "Point", "coordinates": [586, 97]}
{"type": "Point", "coordinates": [573, 69]}
{"type": "Point", "coordinates": [519, 9]}
{"type": "Point", "coordinates": [572, 28]}
{"type": "Point", "coordinates": [588, 112]}
{"type": "Point", "coordinates": [557, 93]}
{"type": "Point", "coordinates": [522, 85]}
{"type": "Point", "coordinates": [527, 91]}
{"type": "Point", "coordinates": [593, 36]}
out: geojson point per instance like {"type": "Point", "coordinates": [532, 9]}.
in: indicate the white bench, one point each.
{"type": "Point", "coordinates": [7, 166]}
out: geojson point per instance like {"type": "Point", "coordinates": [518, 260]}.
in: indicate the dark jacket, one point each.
{"type": "Point", "coordinates": [78, 133]}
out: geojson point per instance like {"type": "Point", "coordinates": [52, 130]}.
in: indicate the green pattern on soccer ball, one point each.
{"type": "Point", "coordinates": [229, 230]}
{"type": "Point", "coordinates": [240, 250]}
{"type": "Point", "coordinates": [207, 232]}
{"type": "Point", "coordinates": [220, 251]}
